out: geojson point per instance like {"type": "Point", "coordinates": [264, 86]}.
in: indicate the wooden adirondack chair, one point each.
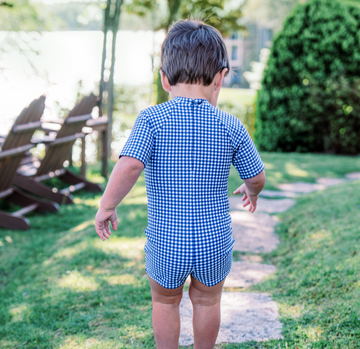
{"type": "Point", "coordinates": [29, 176]}
{"type": "Point", "coordinates": [9, 163]}
{"type": "Point", "coordinates": [25, 124]}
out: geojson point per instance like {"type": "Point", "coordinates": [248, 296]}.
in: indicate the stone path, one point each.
{"type": "Point", "coordinates": [301, 187]}
{"type": "Point", "coordinates": [246, 274]}
{"type": "Point", "coordinates": [254, 232]}
{"type": "Point", "coordinates": [263, 205]}
{"type": "Point", "coordinates": [354, 175]}
{"type": "Point", "coordinates": [244, 317]}
{"type": "Point", "coordinates": [274, 193]}
{"type": "Point", "coordinates": [253, 316]}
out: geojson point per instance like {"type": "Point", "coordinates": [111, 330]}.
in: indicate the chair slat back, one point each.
{"type": "Point", "coordinates": [84, 107]}
{"type": "Point", "coordinates": [25, 125]}
{"type": "Point", "coordinates": [57, 153]}
{"type": "Point", "coordinates": [61, 149]}
{"type": "Point", "coordinates": [9, 163]}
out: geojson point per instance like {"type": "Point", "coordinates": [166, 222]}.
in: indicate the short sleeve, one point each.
{"type": "Point", "coordinates": [139, 145]}
{"type": "Point", "coordinates": [246, 158]}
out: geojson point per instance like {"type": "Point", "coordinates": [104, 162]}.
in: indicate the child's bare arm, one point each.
{"type": "Point", "coordinates": [123, 177]}
{"type": "Point", "coordinates": [251, 189]}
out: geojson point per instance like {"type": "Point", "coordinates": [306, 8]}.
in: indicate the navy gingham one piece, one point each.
{"type": "Point", "coordinates": [187, 147]}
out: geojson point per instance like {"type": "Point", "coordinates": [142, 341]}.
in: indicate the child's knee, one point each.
{"type": "Point", "coordinates": [198, 300]}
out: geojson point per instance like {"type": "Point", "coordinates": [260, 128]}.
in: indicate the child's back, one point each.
{"type": "Point", "coordinates": [187, 147]}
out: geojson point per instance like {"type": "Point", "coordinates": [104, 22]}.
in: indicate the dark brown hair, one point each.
{"type": "Point", "coordinates": [192, 53]}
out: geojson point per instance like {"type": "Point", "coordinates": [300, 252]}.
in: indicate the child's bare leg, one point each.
{"type": "Point", "coordinates": [166, 315]}
{"type": "Point", "coordinates": [206, 313]}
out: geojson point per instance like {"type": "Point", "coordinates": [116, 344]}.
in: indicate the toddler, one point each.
{"type": "Point", "coordinates": [186, 146]}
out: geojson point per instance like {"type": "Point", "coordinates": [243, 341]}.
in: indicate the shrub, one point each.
{"type": "Point", "coordinates": [244, 112]}
{"type": "Point", "coordinates": [310, 97]}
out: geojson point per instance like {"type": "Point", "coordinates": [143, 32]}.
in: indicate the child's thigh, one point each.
{"type": "Point", "coordinates": [201, 294]}
{"type": "Point", "coordinates": [161, 294]}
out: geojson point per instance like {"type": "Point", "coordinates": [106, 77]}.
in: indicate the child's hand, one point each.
{"type": "Point", "coordinates": [102, 220]}
{"type": "Point", "coordinates": [248, 198]}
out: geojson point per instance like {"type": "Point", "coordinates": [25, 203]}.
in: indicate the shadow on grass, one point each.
{"type": "Point", "coordinates": [61, 286]}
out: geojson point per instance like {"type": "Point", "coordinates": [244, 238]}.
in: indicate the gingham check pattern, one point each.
{"type": "Point", "coordinates": [187, 147]}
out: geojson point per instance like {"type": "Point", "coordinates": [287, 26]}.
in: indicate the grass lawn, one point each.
{"type": "Point", "coordinates": [62, 287]}
{"type": "Point", "coordinates": [294, 167]}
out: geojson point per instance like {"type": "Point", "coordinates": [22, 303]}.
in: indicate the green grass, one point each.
{"type": "Point", "coordinates": [293, 167]}
{"type": "Point", "coordinates": [317, 283]}
{"type": "Point", "coordinates": [62, 287]}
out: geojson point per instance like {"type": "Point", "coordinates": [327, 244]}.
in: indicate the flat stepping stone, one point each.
{"type": "Point", "coordinates": [244, 317]}
{"type": "Point", "coordinates": [328, 182]}
{"type": "Point", "coordinates": [276, 193]}
{"type": "Point", "coordinates": [263, 205]}
{"type": "Point", "coordinates": [254, 232]}
{"type": "Point", "coordinates": [246, 274]}
{"type": "Point", "coordinates": [301, 187]}
{"type": "Point", "coordinates": [353, 175]}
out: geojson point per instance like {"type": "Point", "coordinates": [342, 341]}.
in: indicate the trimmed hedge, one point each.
{"type": "Point", "coordinates": [310, 97]}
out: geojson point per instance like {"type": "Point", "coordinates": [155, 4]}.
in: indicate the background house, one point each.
{"type": "Point", "coordinates": [243, 49]}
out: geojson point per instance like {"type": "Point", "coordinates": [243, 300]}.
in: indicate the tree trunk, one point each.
{"type": "Point", "coordinates": [114, 29]}
{"type": "Point", "coordinates": [102, 82]}
{"type": "Point", "coordinates": [111, 22]}
{"type": "Point", "coordinates": [174, 5]}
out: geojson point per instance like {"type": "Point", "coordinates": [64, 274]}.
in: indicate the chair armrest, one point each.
{"type": "Point", "coordinates": [87, 130]}
{"type": "Point", "coordinates": [43, 139]}
{"type": "Point", "coordinates": [15, 151]}
{"type": "Point", "coordinates": [103, 120]}
{"type": "Point", "coordinates": [50, 127]}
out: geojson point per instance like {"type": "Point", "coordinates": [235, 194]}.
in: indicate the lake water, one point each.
{"type": "Point", "coordinates": [65, 58]}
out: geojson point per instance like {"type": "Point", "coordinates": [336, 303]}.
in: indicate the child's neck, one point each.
{"type": "Point", "coordinates": [195, 91]}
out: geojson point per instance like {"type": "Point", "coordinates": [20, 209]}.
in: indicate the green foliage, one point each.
{"type": "Point", "coordinates": [139, 7]}
{"type": "Point", "coordinates": [219, 14]}
{"type": "Point", "coordinates": [24, 15]}
{"type": "Point", "coordinates": [240, 103]}
{"type": "Point", "coordinates": [6, 4]}
{"type": "Point", "coordinates": [245, 113]}
{"type": "Point", "coordinates": [351, 2]}
{"type": "Point", "coordinates": [310, 101]}
{"type": "Point", "coordinates": [129, 100]}
{"type": "Point", "coordinates": [161, 95]}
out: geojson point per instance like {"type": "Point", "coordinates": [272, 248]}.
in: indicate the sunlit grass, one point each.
{"type": "Point", "coordinates": [293, 167]}
{"type": "Point", "coordinates": [295, 171]}
{"type": "Point", "coordinates": [18, 311]}
{"type": "Point", "coordinates": [77, 282]}
{"type": "Point", "coordinates": [318, 266]}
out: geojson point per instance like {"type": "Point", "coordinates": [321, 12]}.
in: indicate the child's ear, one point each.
{"type": "Point", "coordinates": [165, 82]}
{"type": "Point", "coordinates": [219, 79]}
